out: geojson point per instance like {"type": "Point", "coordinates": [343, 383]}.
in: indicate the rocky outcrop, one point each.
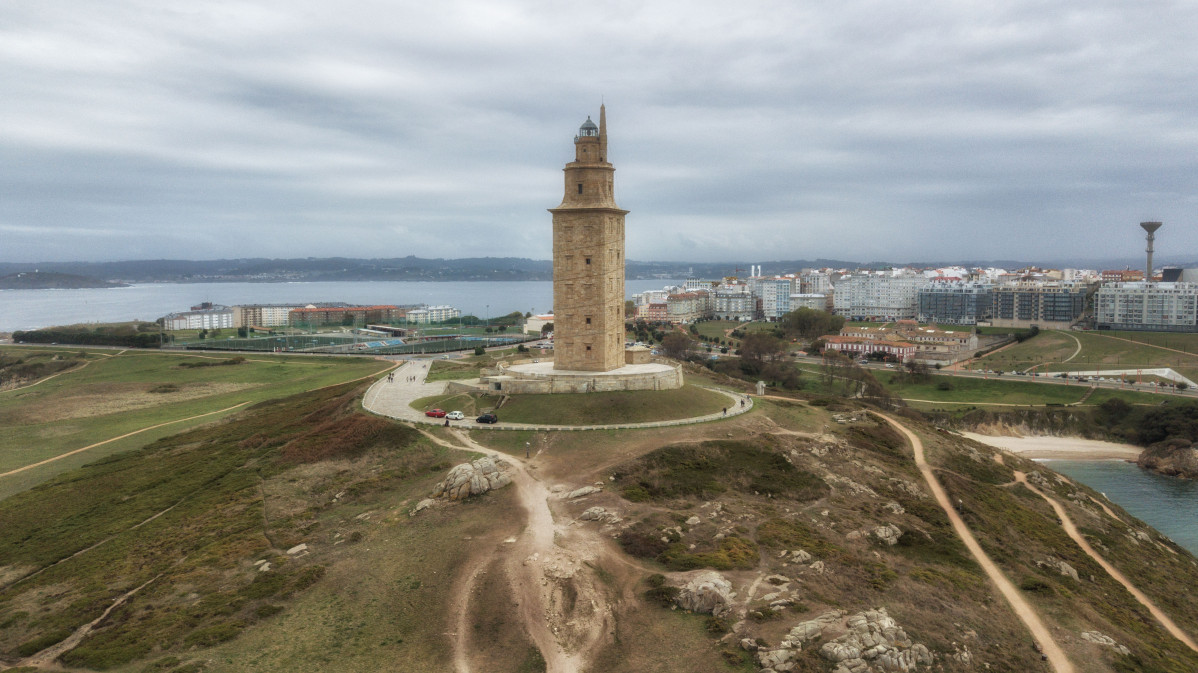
{"type": "Point", "coordinates": [888, 534]}
{"type": "Point", "coordinates": [1174, 458]}
{"type": "Point", "coordinates": [1058, 565]}
{"type": "Point", "coordinates": [873, 643]}
{"type": "Point", "coordinates": [1106, 641]}
{"type": "Point", "coordinates": [706, 592]}
{"type": "Point", "coordinates": [476, 478]}
{"type": "Point", "coordinates": [580, 492]}
{"type": "Point", "coordinates": [599, 514]}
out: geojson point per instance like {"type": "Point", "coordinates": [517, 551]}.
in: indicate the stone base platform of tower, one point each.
{"type": "Point", "coordinates": [542, 378]}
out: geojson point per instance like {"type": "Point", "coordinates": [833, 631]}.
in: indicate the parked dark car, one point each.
{"type": "Point", "coordinates": [487, 418]}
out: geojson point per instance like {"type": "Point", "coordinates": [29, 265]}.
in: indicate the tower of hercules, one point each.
{"type": "Point", "coordinates": [588, 259]}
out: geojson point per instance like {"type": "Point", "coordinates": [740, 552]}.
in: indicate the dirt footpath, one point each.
{"type": "Point", "coordinates": [1056, 656]}
{"type": "Point", "coordinates": [563, 608]}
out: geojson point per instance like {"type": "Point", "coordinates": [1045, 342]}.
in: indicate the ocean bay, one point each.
{"type": "Point", "coordinates": [1168, 504]}
{"type": "Point", "coordinates": [31, 309]}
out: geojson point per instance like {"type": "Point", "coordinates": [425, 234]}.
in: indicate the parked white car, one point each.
{"type": "Point", "coordinates": [455, 416]}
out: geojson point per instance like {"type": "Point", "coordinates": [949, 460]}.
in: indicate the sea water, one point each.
{"type": "Point", "coordinates": [1168, 504]}
{"type": "Point", "coordinates": [31, 309]}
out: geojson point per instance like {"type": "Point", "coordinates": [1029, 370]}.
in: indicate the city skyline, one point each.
{"type": "Point", "coordinates": [859, 131]}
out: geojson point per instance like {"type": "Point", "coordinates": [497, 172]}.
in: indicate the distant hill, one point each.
{"type": "Point", "coordinates": [313, 269]}
{"type": "Point", "coordinates": [51, 280]}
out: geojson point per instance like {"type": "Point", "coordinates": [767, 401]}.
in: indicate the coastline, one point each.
{"type": "Point", "coordinates": [1066, 448]}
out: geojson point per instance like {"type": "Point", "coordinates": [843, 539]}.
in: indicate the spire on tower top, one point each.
{"type": "Point", "coordinates": [602, 132]}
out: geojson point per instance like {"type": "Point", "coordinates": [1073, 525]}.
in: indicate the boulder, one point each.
{"type": "Point", "coordinates": [580, 492]}
{"type": "Point", "coordinates": [1107, 641]}
{"type": "Point", "coordinates": [476, 478]}
{"type": "Point", "coordinates": [421, 506]}
{"type": "Point", "coordinates": [593, 514]}
{"type": "Point", "coordinates": [889, 534]}
{"type": "Point", "coordinates": [706, 592]}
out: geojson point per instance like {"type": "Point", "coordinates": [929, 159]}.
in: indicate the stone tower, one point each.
{"type": "Point", "coordinates": [588, 259]}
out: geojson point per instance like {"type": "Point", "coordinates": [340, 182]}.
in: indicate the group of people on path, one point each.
{"type": "Point", "coordinates": [410, 379]}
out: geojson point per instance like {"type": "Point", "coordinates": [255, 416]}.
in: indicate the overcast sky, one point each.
{"type": "Point", "coordinates": [860, 130]}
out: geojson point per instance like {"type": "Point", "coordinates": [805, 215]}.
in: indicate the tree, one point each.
{"type": "Point", "coordinates": [243, 332]}
{"type": "Point", "coordinates": [479, 350]}
{"type": "Point", "coordinates": [809, 323]}
{"type": "Point", "coordinates": [676, 345]}
{"type": "Point", "coordinates": [759, 349]}
{"type": "Point", "coordinates": [629, 308]}
{"type": "Point", "coordinates": [547, 328]}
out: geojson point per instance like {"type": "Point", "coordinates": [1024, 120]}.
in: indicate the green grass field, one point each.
{"type": "Point", "coordinates": [120, 394]}
{"type": "Point", "coordinates": [966, 391]}
{"type": "Point", "coordinates": [632, 406]}
{"type": "Point", "coordinates": [1053, 350]}
{"type": "Point", "coordinates": [714, 329]}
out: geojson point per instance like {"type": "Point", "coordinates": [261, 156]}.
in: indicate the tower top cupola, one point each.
{"type": "Point", "coordinates": [588, 129]}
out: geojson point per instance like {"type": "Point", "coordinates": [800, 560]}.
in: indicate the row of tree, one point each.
{"type": "Point", "coordinates": [130, 339]}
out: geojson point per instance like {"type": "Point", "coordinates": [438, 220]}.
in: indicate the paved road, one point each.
{"type": "Point", "coordinates": [394, 399]}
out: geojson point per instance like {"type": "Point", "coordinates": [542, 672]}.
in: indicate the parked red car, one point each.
{"type": "Point", "coordinates": [435, 413]}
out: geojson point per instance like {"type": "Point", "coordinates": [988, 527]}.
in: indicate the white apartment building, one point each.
{"type": "Point", "coordinates": [652, 296]}
{"type": "Point", "coordinates": [886, 295]}
{"type": "Point", "coordinates": [431, 314]}
{"type": "Point", "coordinates": [814, 282]}
{"type": "Point", "coordinates": [774, 294]}
{"type": "Point", "coordinates": [818, 302]}
{"type": "Point", "coordinates": [216, 317]}
{"type": "Point", "coordinates": [1155, 307]}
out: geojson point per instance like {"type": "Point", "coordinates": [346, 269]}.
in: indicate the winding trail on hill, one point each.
{"type": "Point", "coordinates": [1071, 530]}
{"type": "Point", "coordinates": [543, 553]}
{"type": "Point", "coordinates": [1056, 656]}
{"type": "Point", "coordinates": [164, 424]}
{"type": "Point", "coordinates": [55, 375]}
{"type": "Point", "coordinates": [113, 439]}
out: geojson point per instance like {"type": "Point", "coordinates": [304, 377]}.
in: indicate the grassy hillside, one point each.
{"type": "Point", "coordinates": [188, 517]}
{"type": "Point", "coordinates": [116, 394]}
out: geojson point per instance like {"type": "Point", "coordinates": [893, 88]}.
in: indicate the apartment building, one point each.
{"type": "Point", "coordinates": [955, 302]}
{"type": "Point", "coordinates": [733, 302]}
{"type": "Point", "coordinates": [1154, 307]}
{"type": "Point", "coordinates": [888, 295]}
{"type": "Point", "coordinates": [432, 314]}
{"type": "Point", "coordinates": [262, 315]}
{"type": "Point", "coordinates": [205, 316]}
{"type": "Point", "coordinates": [1055, 305]}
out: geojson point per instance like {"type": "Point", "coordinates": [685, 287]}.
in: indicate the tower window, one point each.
{"type": "Point", "coordinates": [588, 261]}
{"type": "Point", "coordinates": [588, 320]}
{"type": "Point", "coordinates": [588, 347]}
{"type": "Point", "coordinates": [580, 188]}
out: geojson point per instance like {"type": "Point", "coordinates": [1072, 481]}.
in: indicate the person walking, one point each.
{"type": "Point", "coordinates": [725, 411]}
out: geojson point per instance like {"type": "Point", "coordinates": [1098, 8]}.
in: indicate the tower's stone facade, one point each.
{"type": "Point", "coordinates": [588, 259]}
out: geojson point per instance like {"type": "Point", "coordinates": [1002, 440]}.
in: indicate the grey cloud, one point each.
{"type": "Point", "coordinates": [859, 130]}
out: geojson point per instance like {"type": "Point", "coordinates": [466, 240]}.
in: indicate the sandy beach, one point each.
{"type": "Point", "coordinates": [1067, 448]}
